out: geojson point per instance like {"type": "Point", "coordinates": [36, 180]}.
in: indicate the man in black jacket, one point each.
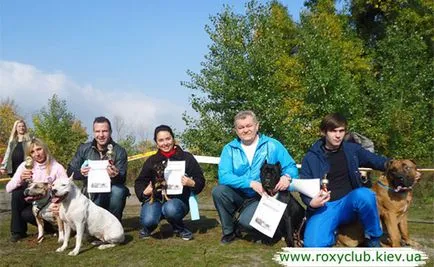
{"type": "Point", "coordinates": [97, 149]}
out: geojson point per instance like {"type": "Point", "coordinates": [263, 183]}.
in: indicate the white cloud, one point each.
{"type": "Point", "coordinates": [30, 88]}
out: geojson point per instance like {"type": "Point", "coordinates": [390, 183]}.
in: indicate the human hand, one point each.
{"type": "Point", "coordinates": [283, 183]}
{"type": "Point", "coordinates": [257, 186]}
{"type": "Point", "coordinates": [148, 190]}
{"type": "Point", "coordinates": [26, 175]}
{"type": "Point", "coordinates": [320, 199]}
{"type": "Point", "coordinates": [2, 171]}
{"type": "Point", "coordinates": [112, 170]}
{"type": "Point", "coordinates": [187, 181]}
{"type": "Point", "coordinates": [85, 171]}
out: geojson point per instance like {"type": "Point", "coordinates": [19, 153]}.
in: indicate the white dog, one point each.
{"type": "Point", "coordinates": [82, 215]}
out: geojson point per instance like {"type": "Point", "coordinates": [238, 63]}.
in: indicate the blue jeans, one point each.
{"type": "Point", "coordinates": [174, 210]}
{"type": "Point", "coordinates": [358, 204]}
{"type": "Point", "coordinates": [113, 201]}
{"type": "Point", "coordinates": [227, 202]}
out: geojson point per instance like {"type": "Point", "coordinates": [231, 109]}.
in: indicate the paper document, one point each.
{"type": "Point", "coordinates": [98, 180]}
{"type": "Point", "coordinates": [308, 187]}
{"type": "Point", "coordinates": [173, 175]}
{"type": "Point", "coordinates": [267, 215]}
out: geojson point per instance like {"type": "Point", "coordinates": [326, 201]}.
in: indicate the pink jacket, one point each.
{"type": "Point", "coordinates": [39, 174]}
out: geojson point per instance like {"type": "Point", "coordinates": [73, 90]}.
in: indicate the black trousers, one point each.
{"type": "Point", "coordinates": [21, 212]}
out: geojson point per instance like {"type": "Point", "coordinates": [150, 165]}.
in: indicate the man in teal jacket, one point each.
{"type": "Point", "coordinates": [238, 173]}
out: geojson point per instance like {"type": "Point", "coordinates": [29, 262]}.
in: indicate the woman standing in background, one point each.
{"type": "Point", "coordinates": [17, 145]}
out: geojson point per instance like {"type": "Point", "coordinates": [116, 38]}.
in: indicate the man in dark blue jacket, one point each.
{"type": "Point", "coordinates": [98, 149]}
{"type": "Point", "coordinates": [345, 200]}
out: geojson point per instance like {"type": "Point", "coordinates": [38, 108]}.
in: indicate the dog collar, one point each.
{"type": "Point", "coordinates": [400, 190]}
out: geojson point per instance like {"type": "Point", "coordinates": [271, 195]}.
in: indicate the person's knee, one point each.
{"type": "Point", "coordinates": [149, 219]}
{"type": "Point", "coordinates": [219, 191]}
{"type": "Point", "coordinates": [173, 209]}
{"type": "Point", "coordinates": [365, 196]}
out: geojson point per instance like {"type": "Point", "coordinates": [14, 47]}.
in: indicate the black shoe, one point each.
{"type": "Point", "coordinates": [226, 239]}
{"type": "Point", "coordinates": [184, 233]}
{"type": "Point", "coordinates": [144, 234]}
{"type": "Point", "coordinates": [17, 236]}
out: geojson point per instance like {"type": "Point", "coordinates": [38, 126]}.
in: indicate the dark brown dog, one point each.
{"type": "Point", "coordinates": [159, 183]}
{"type": "Point", "coordinates": [394, 195]}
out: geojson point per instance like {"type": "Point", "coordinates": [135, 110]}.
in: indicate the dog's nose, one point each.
{"type": "Point", "coordinates": [26, 191]}
{"type": "Point", "coordinates": [54, 191]}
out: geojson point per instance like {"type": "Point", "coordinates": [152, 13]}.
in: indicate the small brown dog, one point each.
{"type": "Point", "coordinates": [39, 194]}
{"type": "Point", "coordinates": [394, 195]}
{"type": "Point", "coordinates": [159, 183]}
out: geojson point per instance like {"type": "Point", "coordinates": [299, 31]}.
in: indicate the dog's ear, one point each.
{"type": "Point", "coordinates": [388, 164]}
{"type": "Point", "coordinates": [71, 177]}
{"type": "Point", "coordinates": [413, 162]}
{"type": "Point", "coordinates": [278, 165]}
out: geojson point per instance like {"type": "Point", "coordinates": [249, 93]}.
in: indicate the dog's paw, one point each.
{"type": "Point", "coordinates": [73, 253]}
{"type": "Point", "coordinates": [40, 239]}
{"type": "Point", "coordinates": [60, 240]}
{"type": "Point", "coordinates": [61, 249]}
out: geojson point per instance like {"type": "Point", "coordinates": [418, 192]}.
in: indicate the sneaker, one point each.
{"type": "Point", "coordinates": [144, 234]}
{"type": "Point", "coordinates": [17, 236]}
{"type": "Point", "coordinates": [373, 242]}
{"type": "Point", "coordinates": [226, 239]}
{"type": "Point", "coordinates": [185, 234]}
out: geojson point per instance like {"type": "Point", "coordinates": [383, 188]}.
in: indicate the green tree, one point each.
{"type": "Point", "coordinates": [243, 70]}
{"type": "Point", "coordinates": [399, 37]}
{"type": "Point", "coordinates": [59, 129]}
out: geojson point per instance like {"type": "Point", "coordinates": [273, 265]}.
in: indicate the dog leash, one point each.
{"type": "Point", "coordinates": [405, 191]}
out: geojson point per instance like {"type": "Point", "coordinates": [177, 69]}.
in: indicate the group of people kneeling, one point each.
{"type": "Point", "coordinates": [239, 185]}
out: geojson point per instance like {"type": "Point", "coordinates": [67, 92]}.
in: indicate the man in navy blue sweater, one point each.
{"type": "Point", "coordinates": [346, 200]}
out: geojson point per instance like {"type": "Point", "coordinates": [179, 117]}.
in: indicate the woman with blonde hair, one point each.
{"type": "Point", "coordinates": [43, 169]}
{"type": "Point", "coordinates": [15, 151]}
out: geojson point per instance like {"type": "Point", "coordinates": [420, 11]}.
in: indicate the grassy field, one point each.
{"type": "Point", "coordinates": [165, 250]}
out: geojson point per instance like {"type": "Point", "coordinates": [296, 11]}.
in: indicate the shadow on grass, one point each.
{"type": "Point", "coordinates": [205, 224]}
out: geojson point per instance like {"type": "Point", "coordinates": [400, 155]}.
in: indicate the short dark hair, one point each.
{"type": "Point", "coordinates": [102, 119]}
{"type": "Point", "coordinates": [164, 128]}
{"type": "Point", "coordinates": [332, 121]}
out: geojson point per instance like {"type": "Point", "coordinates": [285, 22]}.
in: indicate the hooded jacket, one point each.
{"type": "Point", "coordinates": [40, 174]}
{"type": "Point", "coordinates": [315, 164]}
{"type": "Point", "coordinates": [234, 168]}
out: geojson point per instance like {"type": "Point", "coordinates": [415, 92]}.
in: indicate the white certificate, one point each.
{"type": "Point", "coordinates": [267, 215]}
{"type": "Point", "coordinates": [173, 175]}
{"type": "Point", "coordinates": [98, 180]}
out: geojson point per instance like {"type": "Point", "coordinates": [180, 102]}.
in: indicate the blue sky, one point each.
{"type": "Point", "coordinates": [121, 59]}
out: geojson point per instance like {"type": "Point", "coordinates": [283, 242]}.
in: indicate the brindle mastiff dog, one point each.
{"type": "Point", "coordinates": [394, 194]}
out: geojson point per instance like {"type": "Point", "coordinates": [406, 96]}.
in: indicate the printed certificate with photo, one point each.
{"type": "Point", "coordinates": [173, 175]}
{"type": "Point", "coordinates": [98, 180]}
{"type": "Point", "coordinates": [267, 215]}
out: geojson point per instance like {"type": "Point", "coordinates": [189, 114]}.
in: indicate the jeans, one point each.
{"type": "Point", "coordinates": [113, 201]}
{"type": "Point", "coordinates": [227, 202]}
{"type": "Point", "coordinates": [174, 210]}
{"type": "Point", "coordinates": [359, 204]}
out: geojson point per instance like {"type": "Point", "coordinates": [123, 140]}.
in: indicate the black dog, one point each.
{"type": "Point", "coordinates": [292, 219]}
{"type": "Point", "coordinates": [159, 183]}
